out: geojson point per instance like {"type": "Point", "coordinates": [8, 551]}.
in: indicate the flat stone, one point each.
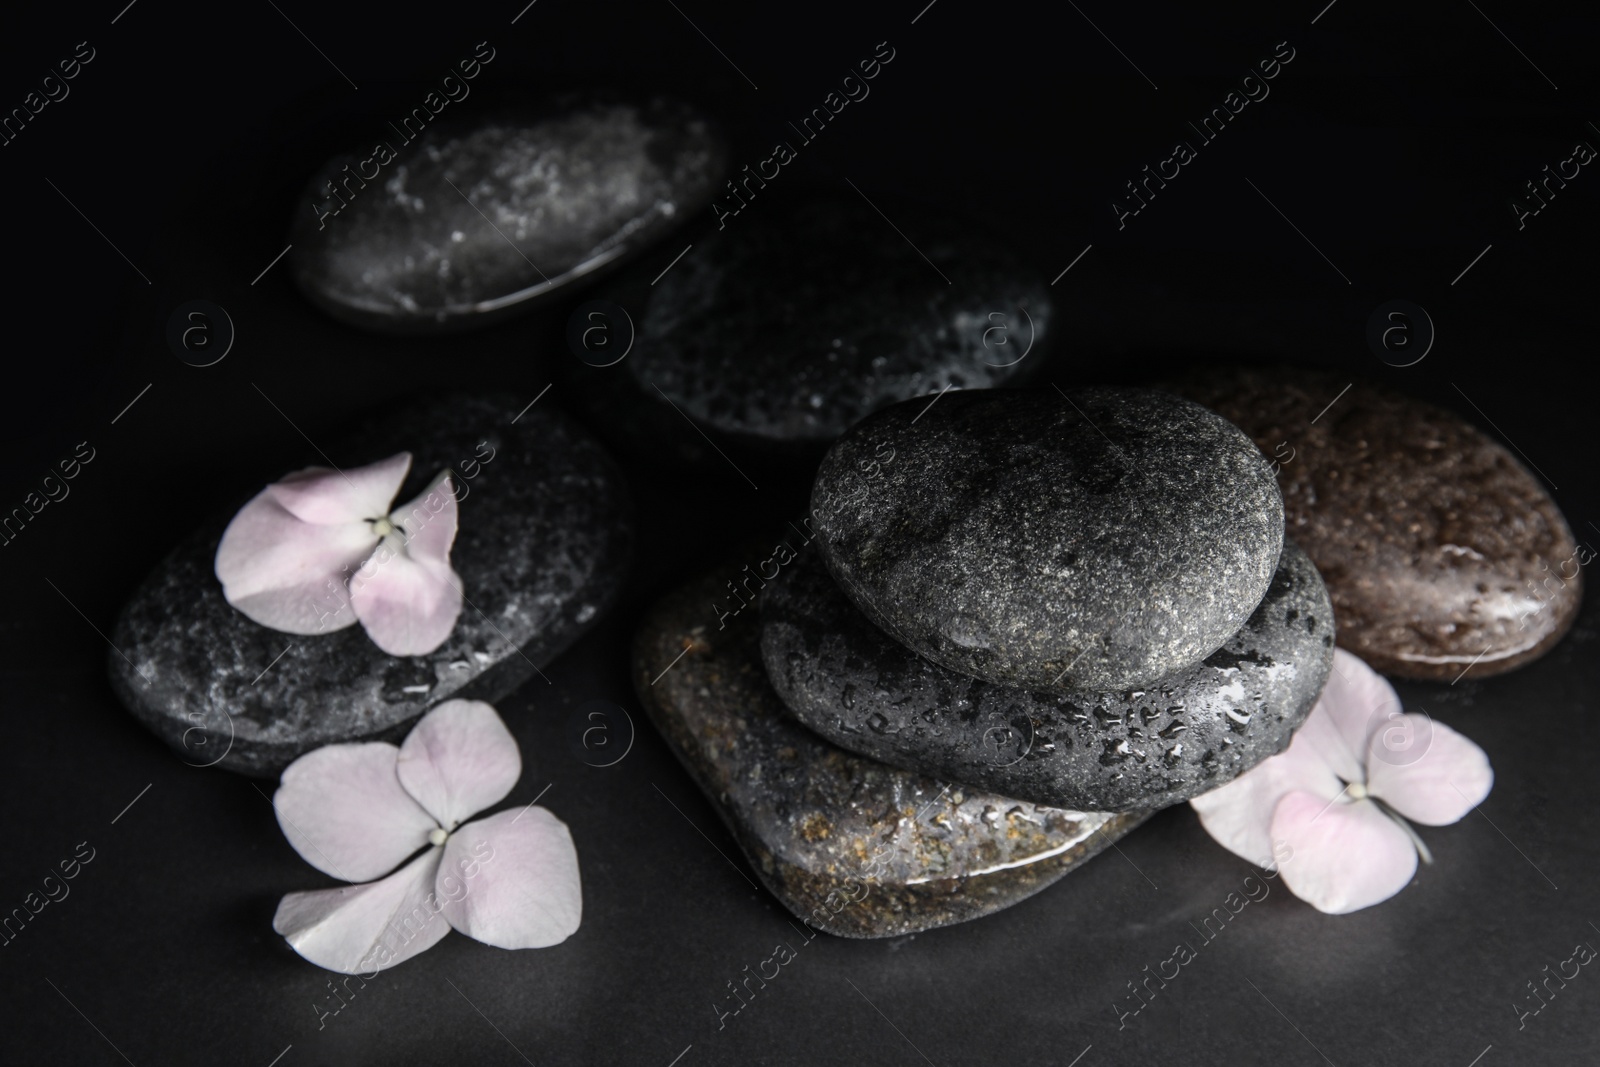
{"type": "Point", "coordinates": [542, 549]}
{"type": "Point", "coordinates": [476, 218]}
{"type": "Point", "coordinates": [851, 846]}
{"type": "Point", "coordinates": [1132, 750]}
{"type": "Point", "coordinates": [793, 322]}
{"type": "Point", "coordinates": [1441, 551]}
{"type": "Point", "coordinates": [1099, 541]}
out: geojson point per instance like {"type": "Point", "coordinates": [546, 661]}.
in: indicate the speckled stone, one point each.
{"type": "Point", "coordinates": [542, 549]}
{"type": "Point", "coordinates": [1099, 541]}
{"type": "Point", "coordinates": [476, 218]}
{"type": "Point", "coordinates": [1440, 550]}
{"type": "Point", "coordinates": [793, 322]}
{"type": "Point", "coordinates": [1132, 750]}
{"type": "Point", "coordinates": [851, 846]}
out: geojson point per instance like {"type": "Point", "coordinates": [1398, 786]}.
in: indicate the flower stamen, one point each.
{"type": "Point", "coordinates": [437, 836]}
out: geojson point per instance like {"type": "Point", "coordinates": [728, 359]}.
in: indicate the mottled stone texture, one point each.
{"type": "Point", "coordinates": [1440, 550]}
{"type": "Point", "coordinates": [1100, 541]}
{"type": "Point", "coordinates": [1131, 750]}
{"type": "Point", "coordinates": [542, 549]}
{"type": "Point", "coordinates": [556, 191]}
{"type": "Point", "coordinates": [851, 846]}
{"type": "Point", "coordinates": [794, 322]}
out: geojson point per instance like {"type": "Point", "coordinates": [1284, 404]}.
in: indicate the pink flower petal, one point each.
{"type": "Point", "coordinates": [458, 760]}
{"type": "Point", "coordinates": [288, 574]}
{"type": "Point", "coordinates": [429, 522]}
{"type": "Point", "coordinates": [361, 929]}
{"type": "Point", "coordinates": [408, 608]}
{"type": "Point", "coordinates": [1238, 815]}
{"type": "Point", "coordinates": [343, 809]}
{"type": "Point", "coordinates": [1346, 856]}
{"type": "Point", "coordinates": [406, 594]}
{"type": "Point", "coordinates": [511, 880]}
{"type": "Point", "coordinates": [326, 497]}
{"type": "Point", "coordinates": [1428, 772]}
{"type": "Point", "coordinates": [1356, 703]}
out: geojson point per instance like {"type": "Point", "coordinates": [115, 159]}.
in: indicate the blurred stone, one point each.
{"type": "Point", "coordinates": [792, 323]}
{"type": "Point", "coordinates": [476, 219]}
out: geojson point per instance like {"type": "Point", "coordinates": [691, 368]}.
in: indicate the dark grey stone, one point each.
{"type": "Point", "coordinates": [794, 322]}
{"type": "Point", "coordinates": [851, 846]}
{"type": "Point", "coordinates": [556, 192]}
{"type": "Point", "coordinates": [1133, 750]}
{"type": "Point", "coordinates": [542, 549]}
{"type": "Point", "coordinates": [1099, 542]}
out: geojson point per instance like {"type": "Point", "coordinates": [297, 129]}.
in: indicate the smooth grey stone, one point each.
{"type": "Point", "coordinates": [793, 322]}
{"type": "Point", "coordinates": [476, 218]}
{"type": "Point", "coordinates": [1099, 541]}
{"type": "Point", "coordinates": [1133, 750]}
{"type": "Point", "coordinates": [545, 533]}
{"type": "Point", "coordinates": [849, 845]}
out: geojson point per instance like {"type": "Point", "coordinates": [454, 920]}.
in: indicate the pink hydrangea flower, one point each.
{"type": "Point", "coordinates": [355, 811]}
{"type": "Point", "coordinates": [320, 550]}
{"type": "Point", "coordinates": [1336, 801]}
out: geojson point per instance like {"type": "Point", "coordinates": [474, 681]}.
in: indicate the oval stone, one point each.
{"type": "Point", "coordinates": [1097, 541]}
{"type": "Point", "coordinates": [849, 845]}
{"type": "Point", "coordinates": [1442, 552]}
{"type": "Point", "coordinates": [472, 220]}
{"type": "Point", "coordinates": [792, 323]}
{"type": "Point", "coordinates": [544, 538]}
{"type": "Point", "coordinates": [1123, 751]}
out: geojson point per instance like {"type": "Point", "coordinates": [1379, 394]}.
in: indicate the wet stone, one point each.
{"type": "Point", "coordinates": [542, 549]}
{"type": "Point", "coordinates": [795, 321]}
{"type": "Point", "coordinates": [1440, 550]}
{"type": "Point", "coordinates": [851, 846]}
{"type": "Point", "coordinates": [474, 219]}
{"type": "Point", "coordinates": [1132, 750]}
{"type": "Point", "coordinates": [1099, 541]}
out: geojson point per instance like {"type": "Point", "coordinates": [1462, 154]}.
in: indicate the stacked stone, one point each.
{"type": "Point", "coordinates": [1028, 620]}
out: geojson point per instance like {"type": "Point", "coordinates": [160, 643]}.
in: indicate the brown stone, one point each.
{"type": "Point", "coordinates": [851, 846]}
{"type": "Point", "coordinates": [1439, 549]}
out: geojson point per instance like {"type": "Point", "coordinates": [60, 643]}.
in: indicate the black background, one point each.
{"type": "Point", "coordinates": [1394, 140]}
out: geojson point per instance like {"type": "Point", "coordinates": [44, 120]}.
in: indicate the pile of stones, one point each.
{"type": "Point", "coordinates": [1018, 622]}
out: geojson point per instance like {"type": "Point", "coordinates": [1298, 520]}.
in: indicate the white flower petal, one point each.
{"type": "Point", "coordinates": [511, 880]}
{"type": "Point", "coordinates": [1238, 814]}
{"type": "Point", "coordinates": [1438, 777]}
{"type": "Point", "coordinates": [430, 522]}
{"type": "Point", "coordinates": [1346, 856]}
{"type": "Point", "coordinates": [458, 760]}
{"type": "Point", "coordinates": [323, 496]}
{"type": "Point", "coordinates": [406, 595]}
{"type": "Point", "coordinates": [361, 929]}
{"type": "Point", "coordinates": [344, 810]}
{"type": "Point", "coordinates": [1356, 703]}
{"type": "Point", "coordinates": [288, 574]}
